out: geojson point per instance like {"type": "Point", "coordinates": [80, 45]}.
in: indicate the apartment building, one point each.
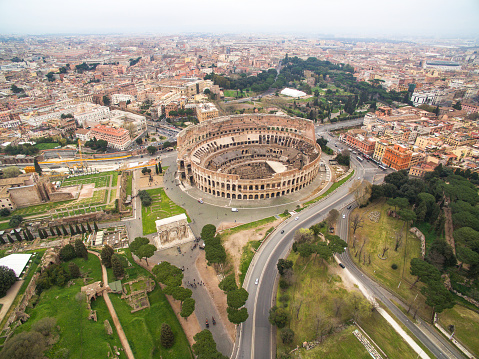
{"type": "Point", "coordinates": [357, 140]}
{"type": "Point", "coordinates": [379, 150]}
{"type": "Point", "coordinates": [118, 138]}
{"type": "Point", "coordinates": [206, 111]}
{"type": "Point", "coordinates": [397, 157]}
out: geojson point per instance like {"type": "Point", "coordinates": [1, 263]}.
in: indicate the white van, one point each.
{"type": "Point", "coordinates": [234, 209]}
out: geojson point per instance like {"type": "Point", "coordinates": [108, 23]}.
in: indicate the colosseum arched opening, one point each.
{"type": "Point", "coordinates": [249, 157]}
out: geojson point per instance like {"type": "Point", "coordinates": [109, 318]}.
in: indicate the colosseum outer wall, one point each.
{"type": "Point", "coordinates": [256, 139]}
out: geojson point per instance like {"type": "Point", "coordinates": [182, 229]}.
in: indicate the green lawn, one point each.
{"type": "Point", "coordinates": [39, 208]}
{"type": "Point", "coordinates": [466, 322]}
{"type": "Point", "coordinates": [129, 184]}
{"type": "Point", "coordinates": [46, 146]}
{"type": "Point", "coordinates": [383, 233]}
{"type": "Point", "coordinates": [315, 291]}
{"type": "Point", "coordinates": [99, 179]}
{"type": "Point", "coordinates": [84, 338]}
{"type": "Point", "coordinates": [342, 345]}
{"type": "Point", "coordinates": [143, 327]}
{"type": "Point", "coordinates": [161, 207]}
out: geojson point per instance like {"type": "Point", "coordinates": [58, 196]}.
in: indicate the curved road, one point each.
{"type": "Point", "coordinates": [255, 339]}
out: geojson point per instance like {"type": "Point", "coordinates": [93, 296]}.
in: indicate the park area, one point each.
{"type": "Point", "coordinates": [161, 207]}
{"type": "Point", "coordinates": [100, 180]}
{"type": "Point", "coordinates": [142, 328]}
{"type": "Point", "coordinates": [321, 306]}
{"type": "Point", "coordinates": [78, 336]}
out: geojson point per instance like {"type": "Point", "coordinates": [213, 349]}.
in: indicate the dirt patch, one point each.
{"type": "Point", "coordinates": [208, 275]}
{"type": "Point", "coordinates": [227, 225]}
{"type": "Point", "coordinates": [145, 183]}
{"type": "Point", "coordinates": [346, 279]}
{"type": "Point", "coordinates": [235, 242]}
{"type": "Point", "coordinates": [87, 191]}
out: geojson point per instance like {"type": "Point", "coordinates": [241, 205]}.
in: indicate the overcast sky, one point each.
{"type": "Point", "coordinates": [442, 18]}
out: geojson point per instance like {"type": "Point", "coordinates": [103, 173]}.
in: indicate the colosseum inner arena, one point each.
{"type": "Point", "coordinates": [249, 157]}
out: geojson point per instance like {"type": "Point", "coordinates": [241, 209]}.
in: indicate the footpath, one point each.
{"type": "Point", "coordinates": [111, 309]}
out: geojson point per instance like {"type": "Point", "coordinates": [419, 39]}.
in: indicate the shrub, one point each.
{"type": "Point", "coordinates": [67, 252]}
{"type": "Point", "coordinates": [287, 335]}
{"type": "Point", "coordinates": [7, 278]}
{"type": "Point", "coordinates": [167, 338]}
{"type": "Point", "coordinates": [394, 266]}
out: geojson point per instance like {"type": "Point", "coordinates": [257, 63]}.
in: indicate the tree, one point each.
{"type": "Point", "coordinates": [228, 283]}
{"type": "Point", "coordinates": [362, 192]}
{"type": "Point", "coordinates": [424, 271]}
{"type": "Point", "coordinates": [237, 316]}
{"type": "Point", "coordinates": [188, 307]}
{"type": "Point", "coordinates": [438, 297]}
{"type": "Point", "coordinates": [168, 274]}
{"type": "Point", "coordinates": [287, 335]}
{"type": "Point", "coordinates": [106, 254]}
{"type": "Point", "coordinates": [145, 251]}
{"type": "Point", "coordinates": [205, 346]}
{"type": "Point", "coordinates": [117, 267]}
{"type": "Point", "coordinates": [356, 222]}
{"type": "Point", "coordinates": [67, 253]}
{"type": "Point", "coordinates": [167, 339]}
{"type": "Point", "coordinates": [7, 278]}
{"type": "Point", "coordinates": [106, 100]}
{"type": "Point", "coordinates": [52, 231]}
{"type": "Point", "coordinates": [333, 216]}
{"type": "Point", "coordinates": [4, 212]}
{"type": "Point", "coordinates": [37, 167]}
{"type": "Point", "coordinates": [24, 345]}
{"type": "Point", "coordinates": [95, 226]}
{"type": "Point", "coordinates": [59, 233]}
{"type": "Point", "coordinates": [237, 298]}
{"type": "Point", "coordinates": [208, 231]}
{"type": "Point", "coordinates": [160, 169]}
{"type": "Point", "coordinates": [457, 105]}
{"type": "Point", "coordinates": [65, 232]}
{"type": "Point", "coordinates": [359, 306]}
{"type": "Point", "coordinates": [178, 293]}
{"type": "Point", "coordinates": [283, 265]}
{"type": "Point", "coordinates": [72, 230]}
{"type": "Point", "coordinates": [335, 245]}
{"type": "Point", "coordinates": [15, 221]}
{"type": "Point", "coordinates": [303, 235]}
{"type": "Point", "coordinates": [151, 149]}
{"type": "Point", "coordinates": [137, 243]}
{"type": "Point", "coordinates": [278, 317]}
{"type": "Point", "coordinates": [74, 270]}
{"type": "Point", "coordinates": [80, 249]}
{"type": "Point", "coordinates": [88, 227]}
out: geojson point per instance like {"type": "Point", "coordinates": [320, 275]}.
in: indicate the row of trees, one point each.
{"type": "Point", "coordinates": [172, 277]}
{"type": "Point", "coordinates": [235, 298]}
{"type": "Point", "coordinates": [215, 253]}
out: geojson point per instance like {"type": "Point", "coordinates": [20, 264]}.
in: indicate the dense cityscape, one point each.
{"type": "Point", "coordinates": [239, 196]}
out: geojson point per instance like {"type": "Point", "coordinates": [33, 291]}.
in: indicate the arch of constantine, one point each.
{"type": "Point", "coordinates": [248, 157]}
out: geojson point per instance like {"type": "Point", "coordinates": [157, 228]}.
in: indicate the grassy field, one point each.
{"type": "Point", "coordinates": [315, 291]}
{"type": "Point", "coordinates": [99, 179]}
{"type": "Point", "coordinates": [249, 225]}
{"type": "Point", "coordinates": [84, 338]}
{"type": "Point", "coordinates": [161, 207]}
{"type": "Point", "coordinates": [377, 235]}
{"type": "Point", "coordinates": [350, 347]}
{"type": "Point", "coordinates": [143, 327]}
{"type": "Point", "coordinates": [46, 146]}
{"type": "Point", "coordinates": [40, 208]}
{"type": "Point", "coordinates": [466, 322]}
{"type": "Point", "coordinates": [129, 184]}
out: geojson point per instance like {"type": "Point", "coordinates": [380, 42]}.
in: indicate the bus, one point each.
{"type": "Point", "coordinates": [382, 167]}
{"type": "Point", "coordinates": [359, 159]}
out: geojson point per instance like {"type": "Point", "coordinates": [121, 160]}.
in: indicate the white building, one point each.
{"type": "Point", "coordinates": [293, 93]}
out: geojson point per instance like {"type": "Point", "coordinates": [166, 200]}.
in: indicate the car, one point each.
{"type": "Point", "coordinates": [342, 265]}
{"type": "Point", "coordinates": [234, 209]}
{"type": "Point", "coordinates": [200, 200]}
{"type": "Point", "coordinates": [344, 216]}
{"type": "Point", "coordinates": [256, 281]}
{"type": "Point", "coordinates": [296, 218]}
{"type": "Point", "coordinates": [350, 206]}
{"type": "Point", "coordinates": [282, 231]}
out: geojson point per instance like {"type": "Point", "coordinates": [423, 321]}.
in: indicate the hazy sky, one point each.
{"type": "Point", "coordinates": [337, 17]}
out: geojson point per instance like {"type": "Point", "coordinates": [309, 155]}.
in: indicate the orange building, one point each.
{"type": "Point", "coordinates": [397, 157]}
{"type": "Point", "coordinates": [360, 142]}
{"type": "Point", "coordinates": [118, 138]}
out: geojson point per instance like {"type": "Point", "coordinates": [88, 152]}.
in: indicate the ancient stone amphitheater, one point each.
{"type": "Point", "coordinates": [249, 157]}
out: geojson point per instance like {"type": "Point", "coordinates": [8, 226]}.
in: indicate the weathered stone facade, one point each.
{"type": "Point", "coordinates": [249, 156]}
{"type": "Point", "coordinates": [173, 231]}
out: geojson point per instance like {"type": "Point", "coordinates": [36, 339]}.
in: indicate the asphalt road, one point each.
{"type": "Point", "coordinates": [255, 339]}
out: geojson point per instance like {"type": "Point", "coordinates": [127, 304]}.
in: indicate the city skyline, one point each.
{"type": "Point", "coordinates": [344, 18]}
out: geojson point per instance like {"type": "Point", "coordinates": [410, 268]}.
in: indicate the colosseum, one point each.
{"type": "Point", "coordinates": [249, 157]}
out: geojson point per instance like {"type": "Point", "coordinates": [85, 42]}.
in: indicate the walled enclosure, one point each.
{"type": "Point", "coordinates": [249, 157]}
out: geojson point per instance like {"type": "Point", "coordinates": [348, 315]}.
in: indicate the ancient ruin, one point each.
{"type": "Point", "coordinates": [249, 157]}
{"type": "Point", "coordinates": [173, 231]}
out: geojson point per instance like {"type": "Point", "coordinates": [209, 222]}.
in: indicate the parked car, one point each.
{"type": "Point", "coordinates": [342, 265]}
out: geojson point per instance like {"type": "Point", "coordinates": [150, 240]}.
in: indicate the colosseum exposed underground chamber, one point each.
{"type": "Point", "coordinates": [249, 157]}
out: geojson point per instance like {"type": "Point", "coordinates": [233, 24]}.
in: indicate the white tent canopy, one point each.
{"type": "Point", "coordinates": [17, 262]}
{"type": "Point", "coordinates": [292, 92]}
